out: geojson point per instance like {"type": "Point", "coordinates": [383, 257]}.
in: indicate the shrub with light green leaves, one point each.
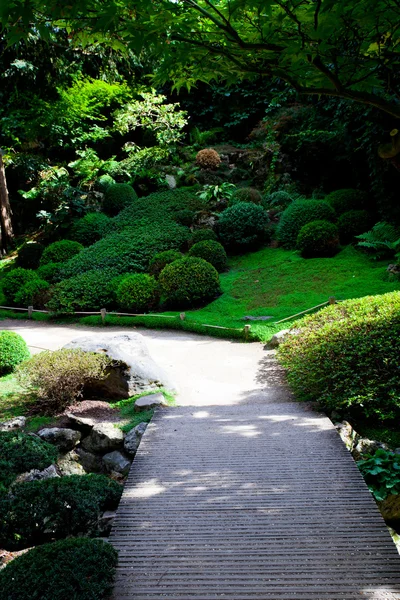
{"type": "Point", "coordinates": [298, 214]}
{"type": "Point", "coordinates": [13, 350]}
{"type": "Point", "coordinates": [318, 239]}
{"type": "Point", "coordinates": [33, 293]}
{"type": "Point", "coordinates": [138, 293]}
{"type": "Point", "coordinates": [213, 252]}
{"type": "Point", "coordinates": [189, 282]}
{"type": "Point", "coordinates": [243, 225]}
{"type": "Point", "coordinates": [347, 199]}
{"type": "Point", "coordinates": [346, 357]}
{"type": "Point", "coordinates": [117, 197]}
{"type": "Point", "coordinates": [58, 378]}
{"type": "Point", "coordinates": [161, 260]}
{"type": "Point", "coordinates": [60, 252]}
{"type": "Point", "coordinates": [71, 569]}
{"type": "Point", "coordinates": [15, 280]}
{"type": "Point", "coordinates": [63, 507]}
{"type": "Point", "coordinates": [91, 228]}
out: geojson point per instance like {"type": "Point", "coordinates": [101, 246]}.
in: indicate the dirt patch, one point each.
{"type": "Point", "coordinates": [97, 410]}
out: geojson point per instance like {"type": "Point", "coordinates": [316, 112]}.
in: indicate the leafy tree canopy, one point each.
{"type": "Point", "coordinates": [324, 47]}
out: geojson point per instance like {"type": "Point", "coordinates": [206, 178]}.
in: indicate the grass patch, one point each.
{"type": "Point", "coordinates": [16, 402]}
{"type": "Point", "coordinates": [130, 417]}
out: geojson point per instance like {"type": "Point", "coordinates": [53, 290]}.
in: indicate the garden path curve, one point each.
{"type": "Point", "coordinates": [239, 492]}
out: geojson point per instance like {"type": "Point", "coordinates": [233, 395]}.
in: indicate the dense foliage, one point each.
{"type": "Point", "coordinates": [29, 255]}
{"type": "Point", "coordinates": [344, 200]}
{"type": "Point", "coordinates": [346, 356]}
{"type": "Point", "coordinates": [213, 252]}
{"type": "Point", "coordinates": [318, 238]}
{"type": "Point", "coordinates": [352, 223]}
{"type": "Point", "coordinates": [61, 251]}
{"type": "Point", "coordinates": [243, 225]}
{"type": "Point", "coordinates": [381, 472]}
{"type": "Point", "coordinates": [89, 291]}
{"type": "Point", "coordinates": [189, 282]}
{"type": "Point", "coordinates": [161, 260]}
{"type": "Point", "coordinates": [21, 452]}
{"type": "Point", "coordinates": [118, 197]}
{"type": "Point", "coordinates": [15, 280]}
{"type": "Point", "coordinates": [138, 293]}
{"type": "Point", "coordinates": [62, 507]}
{"type": "Point", "coordinates": [246, 195]}
{"type": "Point", "coordinates": [58, 378]}
{"type": "Point", "coordinates": [297, 215]}
{"type": "Point", "coordinates": [33, 293]}
{"type": "Point", "coordinates": [199, 235]}
{"type": "Point", "coordinates": [50, 272]}
{"type": "Point", "coordinates": [13, 350]}
{"type": "Point", "coordinates": [382, 241]}
{"type": "Point", "coordinates": [76, 568]}
{"type": "Point", "coordinates": [91, 228]}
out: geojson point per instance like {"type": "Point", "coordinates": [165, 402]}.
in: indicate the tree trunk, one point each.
{"type": "Point", "coordinates": [7, 233]}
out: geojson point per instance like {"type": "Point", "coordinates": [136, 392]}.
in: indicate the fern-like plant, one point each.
{"type": "Point", "coordinates": [381, 241]}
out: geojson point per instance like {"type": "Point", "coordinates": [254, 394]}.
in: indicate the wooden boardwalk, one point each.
{"type": "Point", "coordinates": [249, 502]}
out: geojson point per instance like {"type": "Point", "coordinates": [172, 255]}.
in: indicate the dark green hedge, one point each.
{"type": "Point", "coordinates": [88, 291]}
{"type": "Point", "coordinates": [91, 228]}
{"type": "Point", "coordinates": [138, 293]}
{"type": "Point", "coordinates": [117, 197]}
{"type": "Point", "coordinates": [75, 569]}
{"type": "Point", "coordinates": [347, 199]}
{"type": "Point", "coordinates": [213, 252]}
{"type": "Point", "coordinates": [189, 282]}
{"type": "Point", "coordinates": [318, 238]}
{"type": "Point", "coordinates": [298, 214]}
{"type": "Point", "coordinates": [243, 225]}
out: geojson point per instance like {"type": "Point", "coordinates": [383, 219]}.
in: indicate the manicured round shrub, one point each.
{"type": "Point", "coordinates": [88, 291]}
{"type": "Point", "coordinates": [58, 378]}
{"type": "Point", "coordinates": [91, 228]}
{"type": "Point", "coordinates": [298, 214]}
{"type": "Point", "coordinates": [277, 201]}
{"type": "Point", "coordinates": [213, 252]}
{"type": "Point", "coordinates": [318, 238]}
{"type": "Point", "coordinates": [161, 260]}
{"type": "Point", "coordinates": [208, 159]}
{"type": "Point", "coordinates": [347, 199]}
{"type": "Point", "coordinates": [352, 223]}
{"type": "Point", "coordinates": [104, 182]}
{"type": "Point", "coordinates": [347, 357]}
{"type": "Point", "coordinates": [61, 251]}
{"type": "Point", "coordinates": [65, 570]}
{"type": "Point", "coordinates": [13, 350]}
{"type": "Point", "coordinates": [246, 195]}
{"type": "Point", "coordinates": [15, 280]}
{"type": "Point", "coordinates": [50, 272]}
{"type": "Point", "coordinates": [199, 235]}
{"type": "Point", "coordinates": [117, 197]}
{"type": "Point", "coordinates": [20, 452]}
{"type": "Point", "coordinates": [129, 251]}
{"type": "Point", "coordinates": [243, 225]}
{"type": "Point", "coordinates": [33, 293]}
{"type": "Point", "coordinates": [62, 507]}
{"type": "Point", "coordinates": [189, 282]}
{"type": "Point", "coordinates": [138, 293]}
{"type": "Point", "coordinates": [185, 217]}
{"type": "Point", "coordinates": [29, 255]}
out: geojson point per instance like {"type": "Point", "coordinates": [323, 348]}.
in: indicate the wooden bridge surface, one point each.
{"type": "Point", "coordinates": [249, 502]}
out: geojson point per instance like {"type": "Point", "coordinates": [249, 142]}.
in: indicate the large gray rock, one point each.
{"type": "Point", "coordinates": [282, 336]}
{"type": "Point", "coordinates": [69, 464]}
{"type": "Point", "coordinates": [64, 439]}
{"type": "Point", "coordinates": [91, 463]}
{"type": "Point", "coordinates": [132, 439]}
{"type": "Point", "coordinates": [116, 461]}
{"type": "Point", "coordinates": [84, 424]}
{"type": "Point", "coordinates": [13, 424]}
{"type": "Point", "coordinates": [150, 401]}
{"type": "Point", "coordinates": [36, 475]}
{"type": "Point", "coordinates": [134, 370]}
{"type": "Point", "coordinates": [103, 438]}
{"type": "Point", "coordinates": [364, 447]}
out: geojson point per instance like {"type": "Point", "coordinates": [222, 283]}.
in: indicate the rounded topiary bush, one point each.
{"type": "Point", "coordinates": [277, 201]}
{"type": "Point", "coordinates": [185, 217]}
{"type": "Point", "coordinates": [88, 291]}
{"type": "Point", "coordinates": [189, 282]}
{"type": "Point", "coordinates": [13, 350]}
{"type": "Point", "coordinates": [208, 159]}
{"type": "Point", "coordinates": [243, 225]}
{"type": "Point", "coordinates": [298, 214]}
{"type": "Point", "coordinates": [318, 238]}
{"type": "Point", "coordinates": [103, 183]}
{"type": "Point", "coordinates": [161, 260]}
{"type": "Point", "coordinates": [15, 280]}
{"type": "Point", "coordinates": [138, 293]}
{"type": "Point", "coordinates": [76, 568]}
{"type": "Point", "coordinates": [91, 228]}
{"type": "Point", "coordinates": [29, 255]}
{"type": "Point", "coordinates": [246, 195]}
{"type": "Point", "coordinates": [34, 293]}
{"type": "Point", "coordinates": [50, 272]}
{"type": "Point", "coordinates": [213, 252]}
{"type": "Point", "coordinates": [202, 234]}
{"type": "Point", "coordinates": [21, 452]}
{"type": "Point", "coordinates": [63, 506]}
{"type": "Point", "coordinates": [117, 197]}
{"type": "Point", "coordinates": [347, 199]}
{"type": "Point", "coordinates": [61, 251]}
{"type": "Point", "coordinates": [352, 223]}
{"type": "Point", "coordinates": [346, 356]}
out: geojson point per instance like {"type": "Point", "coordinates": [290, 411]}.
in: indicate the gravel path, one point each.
{"type": "Point", "coordinates": [206, 371]}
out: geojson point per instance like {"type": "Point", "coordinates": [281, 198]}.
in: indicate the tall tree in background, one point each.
{"type": "Point", "coordinates": [6, 229]}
